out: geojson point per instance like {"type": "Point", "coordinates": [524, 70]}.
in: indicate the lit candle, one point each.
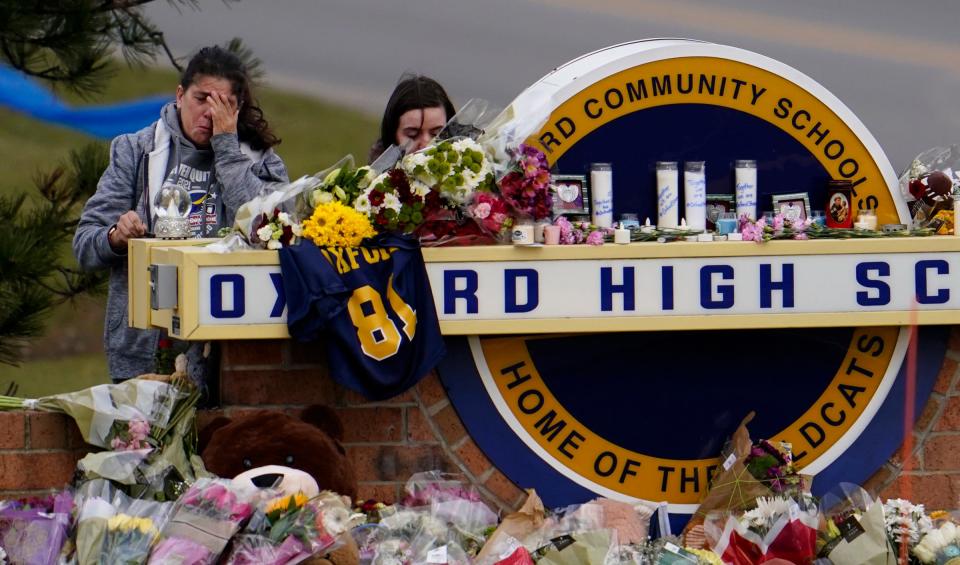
{"type": "Point", "coordinates": [621, 235]}
{"type": "Point", "coordinates": [866, 220]}
{"type": "Point", "coordinates": [646, 227]}
{"type": "Point", "coordinates": [695, 194]}
{"type": "Point", "coordinates": [683, 223]}
{"type": "Point", "coordinates": [668, 194]}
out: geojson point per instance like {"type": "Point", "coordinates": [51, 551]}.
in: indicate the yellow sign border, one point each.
{"type": "Point", "coordinates": [574, 446]}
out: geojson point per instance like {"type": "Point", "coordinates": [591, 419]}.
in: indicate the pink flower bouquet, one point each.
{"type": "Point", "coordinates": [205, 519]}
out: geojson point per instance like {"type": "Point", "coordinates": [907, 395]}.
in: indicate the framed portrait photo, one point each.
{"type": "Point", "coordinates": [792, 207]}
{"type": "Point", "coordinates": [839, 209]}
{"type": "Point", "coordinates": [718, 204]}
{"type": "Point", "coordinates": [571, 195]}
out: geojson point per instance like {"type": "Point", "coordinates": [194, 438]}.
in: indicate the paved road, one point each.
{"type": "Point", "coordinates": [895, 63]}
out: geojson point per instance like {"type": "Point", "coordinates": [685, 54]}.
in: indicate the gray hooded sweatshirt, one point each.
{"type": "Point", "coordinates": [139, 163]}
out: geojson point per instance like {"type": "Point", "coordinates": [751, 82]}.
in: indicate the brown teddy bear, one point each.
{"type": "Point", "coordinates": [311, 443]}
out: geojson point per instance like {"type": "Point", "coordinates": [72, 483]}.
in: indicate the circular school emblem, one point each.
{"type": "Point", "coordinates": [643, 415]}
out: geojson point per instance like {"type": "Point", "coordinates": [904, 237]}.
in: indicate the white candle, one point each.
{"type": "Point", "coordinates": [867, 219]}
{"type": "Point", "coordinates": [646, 227]}
{"type": "Point", "coordinates": [668, 194]}
{"type": "Point", "coordinates": [522, 234]}
{"type": "Point", "coordinates": [601, 194]}
{"type": "Point", "coordinates": [695, 194]}
{"type": "Point", "coordinates": [621, 235]}
{"type": "Point", "coordinates": [746, 188]}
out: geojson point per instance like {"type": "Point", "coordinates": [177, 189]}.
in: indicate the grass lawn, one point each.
{"type": "Point", "coordinates": [315, 134]}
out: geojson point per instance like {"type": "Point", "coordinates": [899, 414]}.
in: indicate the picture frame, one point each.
{"type": "Point", "coordinates": [839, 207]}
{"type": "Point", "coordinates": [571, 195]}
{"type": "Point", "coordinates": [794, 206]}
{"type": "Point", "coordinates": [717, 204]}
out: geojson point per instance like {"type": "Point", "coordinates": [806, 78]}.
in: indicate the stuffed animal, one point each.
{"type": "Point", "coordinates": [269, 446]}
{"type": "Point", "coordinates": [311, 443]}
{"type": "Point", "coordinates": [288, 481]}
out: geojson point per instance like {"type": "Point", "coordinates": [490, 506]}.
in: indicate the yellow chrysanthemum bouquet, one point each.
{"type": "Point", "coordinates": [333, 224]}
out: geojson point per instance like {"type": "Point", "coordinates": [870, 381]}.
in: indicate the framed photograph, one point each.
{"type": "Point", "coordinates": [716, 205]}
{"type": "Point", "coordinates": [839, 207]}
{"type": "Point", "coordinates": [792, 207]}
{"type": "Point", "coordinates": [571, 195]}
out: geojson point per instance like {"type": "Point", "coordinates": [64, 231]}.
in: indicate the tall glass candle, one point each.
{"type": "Point", "coordinates": [746, 189]}
{"type": "Point", "coordinates": [695, 194]}
{"type": "Point", "coordinates": [668, 194]}
{"type": "Point", "coordinates": [601, 194]}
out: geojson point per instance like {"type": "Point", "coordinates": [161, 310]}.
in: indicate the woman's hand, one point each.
{"type": "Point", "coordinates": [224, 112]}
{"type": "Point", "coordinates": [128, 226]}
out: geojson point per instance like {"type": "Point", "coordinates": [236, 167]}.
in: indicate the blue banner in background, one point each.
{"type": "Point", "coordinates": [22, 94]}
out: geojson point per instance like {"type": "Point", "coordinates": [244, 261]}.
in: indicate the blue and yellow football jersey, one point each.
{"type": "Point", "coordinates": [372, 305]}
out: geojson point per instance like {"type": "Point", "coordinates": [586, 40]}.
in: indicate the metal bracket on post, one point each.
{"type": "Point", "coordinates": [163, 286]}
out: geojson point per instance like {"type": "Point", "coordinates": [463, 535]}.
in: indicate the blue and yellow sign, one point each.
{"type": "Point", "coordinates": [644, 415]}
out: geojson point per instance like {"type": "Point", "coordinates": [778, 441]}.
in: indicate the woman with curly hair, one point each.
{"type": "Point", "coordinates": [212, 140]}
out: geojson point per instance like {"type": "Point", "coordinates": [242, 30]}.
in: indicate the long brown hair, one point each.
{"type": "Point", "coordinates": [413, 92]}
{"type": "Point", "coordinates": [216, 61]}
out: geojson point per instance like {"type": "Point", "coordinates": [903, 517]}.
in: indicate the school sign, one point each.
{"type": "Point", "coordinates": [620, 370]}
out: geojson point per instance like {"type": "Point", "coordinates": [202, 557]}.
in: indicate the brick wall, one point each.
{"type": "Point", "coordinates": [386, 441]}
{"type": "Point", "coordinates": [38, 452]}
{"type": "Point", "coordinates": [931, 473]}
{"type": "Point", "coordinates": [419, 430]}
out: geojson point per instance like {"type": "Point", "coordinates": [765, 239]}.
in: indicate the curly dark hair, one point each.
{"type": "Point", "coordinates": [216, 61]}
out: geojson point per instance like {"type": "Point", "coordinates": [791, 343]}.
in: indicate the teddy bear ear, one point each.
{"type": "Point", "coordinates": [324, 418]}
{"type": "Point", "coordinates": [203, 438]}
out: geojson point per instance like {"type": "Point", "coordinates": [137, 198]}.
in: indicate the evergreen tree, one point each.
{"type": "Point", "coordinates": [36, 272]}
{"type": "Point", "coordinates": [69, 44]}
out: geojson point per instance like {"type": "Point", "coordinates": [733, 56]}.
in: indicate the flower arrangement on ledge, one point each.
{"type": "Point", "coordinates": [572, 233]}
{"type": "Point", "coordinates": [526, 188]}
{"type": "Point", "coordinates": [275, 231]}
{"type": "Point", "coordinates": [781, 228]}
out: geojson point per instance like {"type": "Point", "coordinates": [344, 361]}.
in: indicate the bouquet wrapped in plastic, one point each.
{"type": "Point", "coordinates": [526, 185]}
{"type": "Point", "coordinates": [287, 529]}
{"type": "Point", "coordinates": [734, 489]}
{"type": "Point", "coordinates": [443, 180]}
{"type": "Point", "coordinates": [132, 531]}
{"type": "Point", "coordinates": [154, 456]}
{"type": "Point", "coordinates": [853, 528]}
{"type": "Point", "coordinates": [118, 416]}
{"type": "Point", "coordinates": [94, 502]}
{"type": "Point", "coordinates": [778, 528]}
{"type": "Point", "coordinates": [452, 501]}
{"type": "Point", "coordinates": [35, 532]}
{"type": "Point", "coordinates": [203, 521]}
{"type": "Point", "coordinates": [941, 544]}
{"type": "Point", "coordinates": [412, 535]}
{"type": "Point", "coordinates": [906, 523]}
{"type": "Point", "coordinates": [930, 185]}
{"type": "Point", "coordinates": [440, 520]}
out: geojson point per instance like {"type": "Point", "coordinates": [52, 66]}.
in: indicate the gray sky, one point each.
{"type": "Point", "coordinates": [896, 64]}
